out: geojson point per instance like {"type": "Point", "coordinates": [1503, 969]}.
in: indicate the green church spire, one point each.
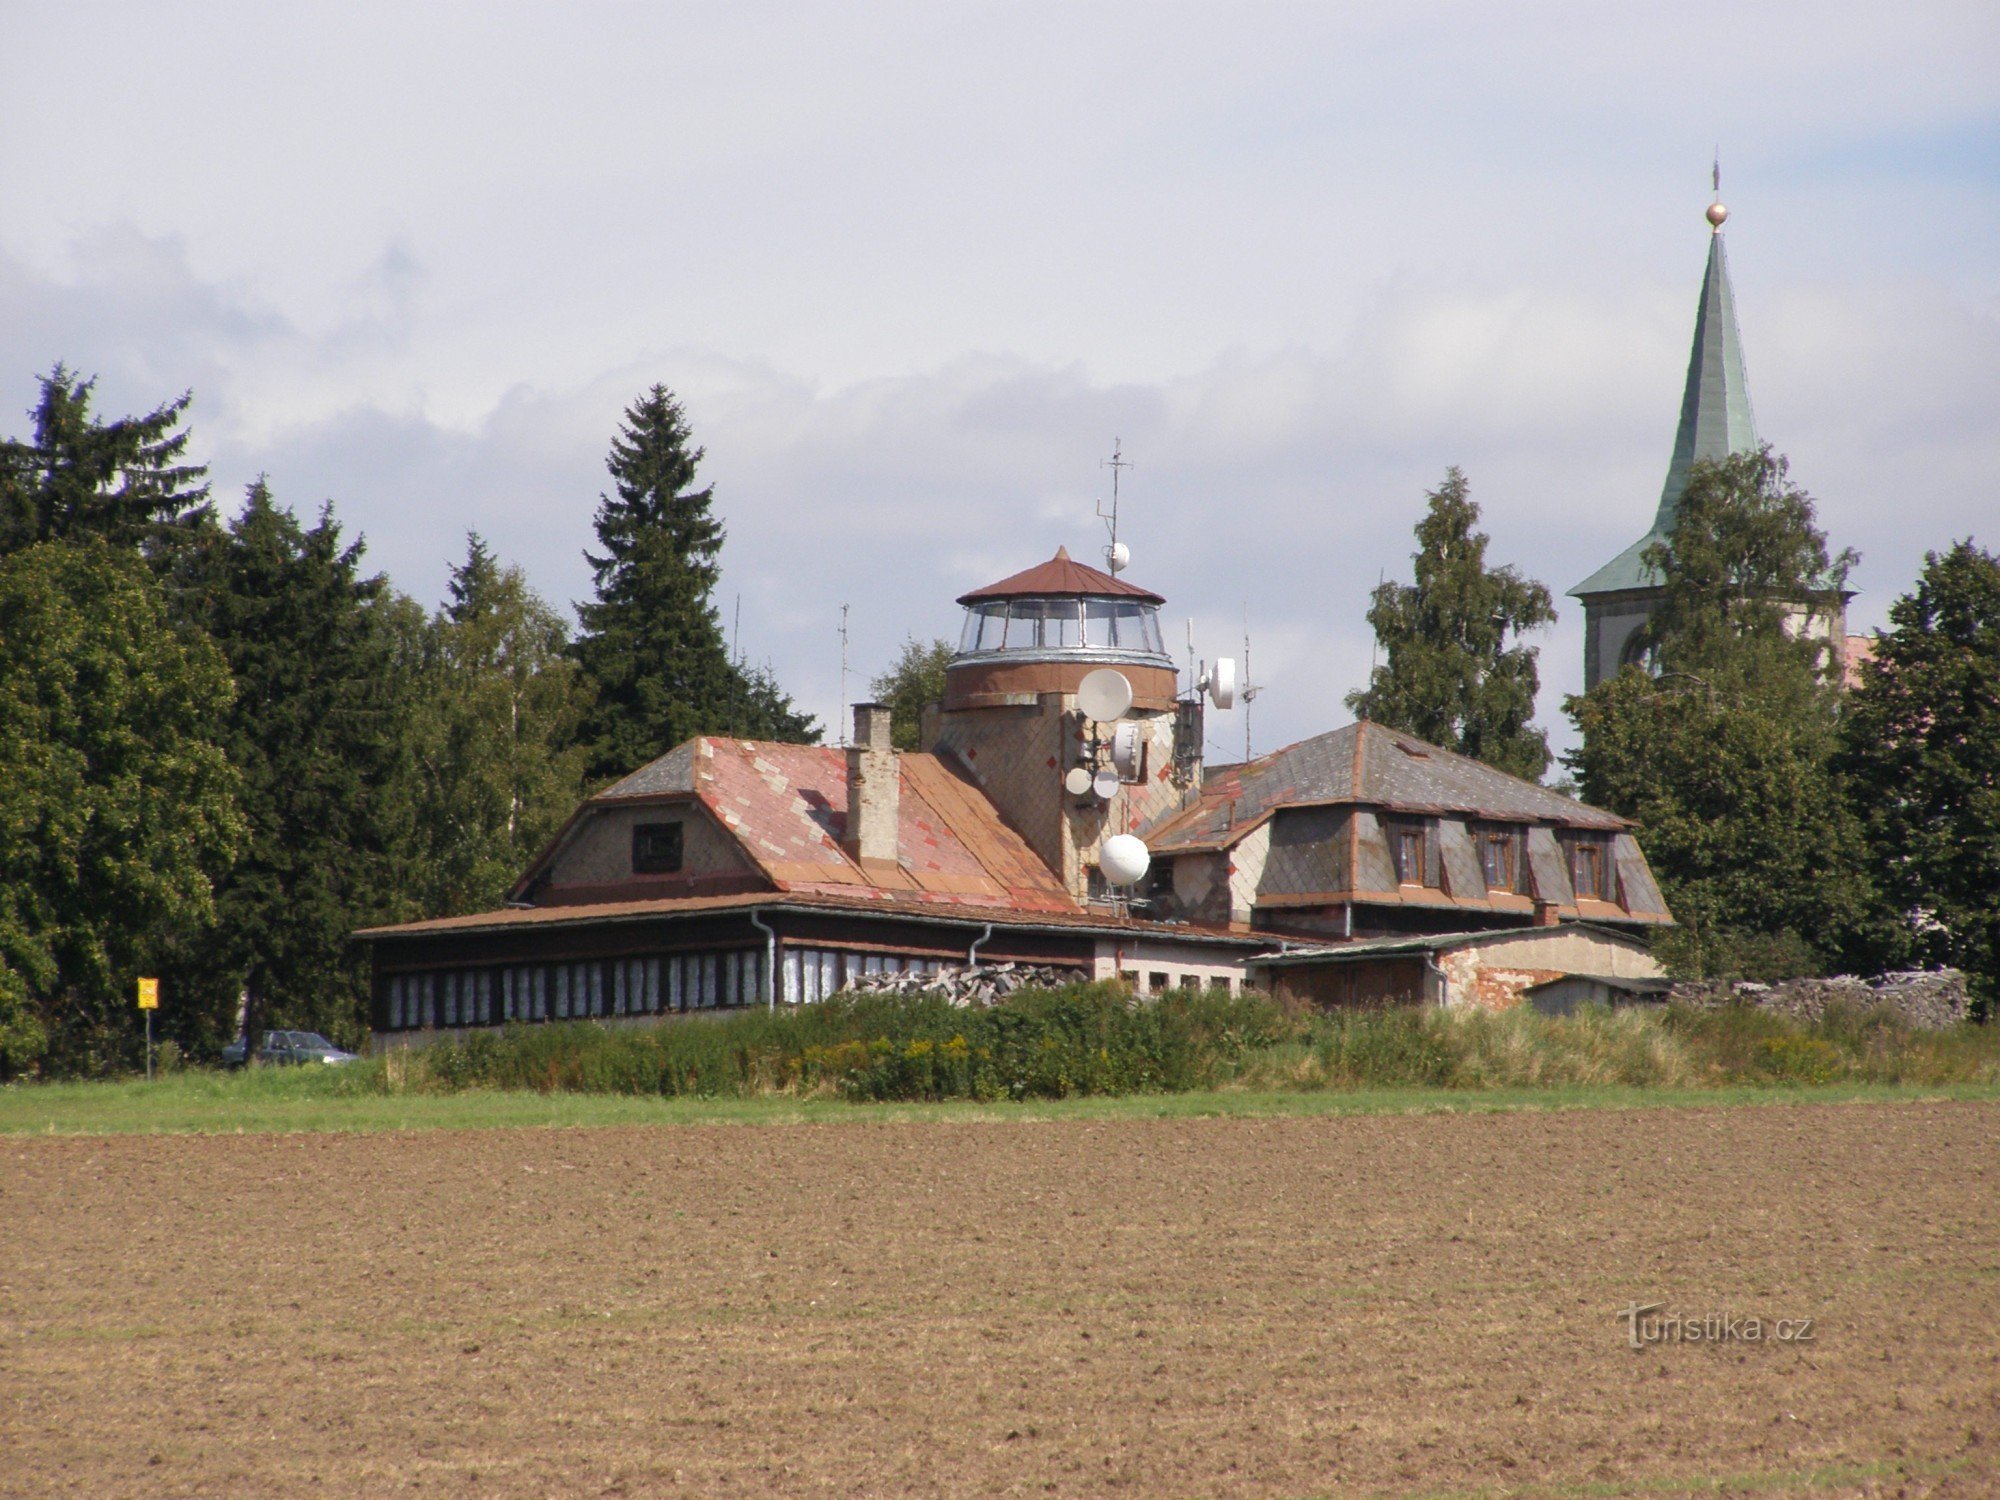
{"type": "Point", "coordinates": [1715, 415]}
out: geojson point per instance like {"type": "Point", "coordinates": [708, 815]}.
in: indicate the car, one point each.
{"type": "Point", "coordinates": [288, 1047]}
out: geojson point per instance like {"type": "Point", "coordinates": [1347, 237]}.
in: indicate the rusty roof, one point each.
{"type": "Point", "coordinates": [857, 902]}
{"type": "Point", "coordinates": [1060, 575]}
{"type": "Point", "coordinates": [1368, 764]}
{"type": "Point", "coordinates": [786, 808]}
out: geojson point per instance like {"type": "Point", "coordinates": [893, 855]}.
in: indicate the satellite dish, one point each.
{"type": "Point", "coordinates": [1118, 556]}
{"type": "Point", "coordinates": [1124, 859]}
{"type": "Point", "coordinates": [1077, 780]}
{"type": "Point", "coordinates": [1222, 682]}
{"type": "Point", "coordinates": [1104, 694]}
{"type": "Point", "coordinates": [1126, 747]}
{"type": "Point", "coordinates": [1105, 783]}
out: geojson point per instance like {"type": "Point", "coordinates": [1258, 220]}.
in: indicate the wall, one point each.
{"type": "Point", "coordinates": [1493, 974]}
{"type": "Point", "coordinates": [599, 849]}
{"type": "Point", "coordinates": [1179, 964]}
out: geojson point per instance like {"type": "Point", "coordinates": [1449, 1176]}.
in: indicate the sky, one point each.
{"type": "Point", "coordinates": [913, 269]}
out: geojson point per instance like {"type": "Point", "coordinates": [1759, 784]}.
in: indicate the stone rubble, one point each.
{"type": "Point", "coordinates": [1925, 999]}
{"type": "Point", "coordinates": [964, 987]}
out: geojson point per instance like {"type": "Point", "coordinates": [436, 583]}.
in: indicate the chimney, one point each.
{"type": "Point", "coordinates": [874, 787]}
{"type": "Point", "coordinates": [1545, 913]}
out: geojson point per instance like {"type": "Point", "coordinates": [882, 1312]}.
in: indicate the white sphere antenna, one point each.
{"type": "Point", "coordinates": [1124, 859]}
{"type": "Point", "coordinates": [1104, 694]}
{"type": "Point", "coordinates": [1118, 557]}
{"type": "Point", "coordinates": [1105, 784]}
{"type": "Point", "coordinates": [1077, 781]}
{"type": "Point", "coordinates": [1220, 682]}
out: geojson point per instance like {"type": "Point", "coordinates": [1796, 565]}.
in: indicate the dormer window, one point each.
{"type": "Point", "coordinates": [1499, 856]}
{"type": "Point", "coordinates": [1406, 848]}
{"type": "Point", "coordinates": [656, 848]}
{"type": "Point", "coordinates": [1589, 867]}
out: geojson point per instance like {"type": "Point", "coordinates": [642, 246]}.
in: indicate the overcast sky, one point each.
{"type": "Point", "coordinates": [912, 268]}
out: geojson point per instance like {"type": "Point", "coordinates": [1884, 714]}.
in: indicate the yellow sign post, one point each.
{"type": "Point", "coordinates": [149, 1001]}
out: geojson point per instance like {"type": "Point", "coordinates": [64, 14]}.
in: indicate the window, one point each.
{"type": "Point", "coordinates": [656, 848]}
{"type": "Point", "coordinates": [1406, 848]}
{"type": "Point", "coordinates": [1589, 870]}
{"type": "Point", "coordinates": [1500, 857]}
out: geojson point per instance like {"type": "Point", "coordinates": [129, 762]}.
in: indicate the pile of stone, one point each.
{"type": "Point", "coordinates": [980, 985]}
{"type": "Point", "coordinates": [1924, 999]}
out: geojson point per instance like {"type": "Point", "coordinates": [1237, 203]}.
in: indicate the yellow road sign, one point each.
{"type": "Point", "coordinates": [149, 994]}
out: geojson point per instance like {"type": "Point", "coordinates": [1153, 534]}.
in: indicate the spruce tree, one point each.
{"type": "Point", "coordinates": [1921, 750]}
{"type": "Point", "coordinates": [125, 482]}
{"type": "Point", "coordinates": [1449, 675]}
{"type": "Point", "coordinates": [651, 643]}
{"type": "Point", "coordinates": [1723, 752]}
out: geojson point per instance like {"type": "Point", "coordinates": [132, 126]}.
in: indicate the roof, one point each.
{"type": "Point", "coordinates": [1715, 421]}
{"type": "Point", "coordinates": [881, 903]}
{"type": "Point", "coordinates": [1436, 942]}
{"type": "Point", "coordinates": [1369, 764]}
{"type": "Point", "coordinates": [786, 807]}
{"type": "Point", "coordinates": [1061, 575]}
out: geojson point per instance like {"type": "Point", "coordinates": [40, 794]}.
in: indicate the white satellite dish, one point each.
{"type": "Point", "coordinates": [1104, 694]}
{"type": "Point", "coordinates": [1124, 859]}
{"type": "Point", "coordinates": [1220, 682]}
{"type": "Point", "coordinates": [1105, 783]}
{"type": "Point", "coordinates": [1118, 556]}
{"type": "Point", "coordinates": [1077, 780]}
{"type": "Point", "coordinates": [1126, 748]}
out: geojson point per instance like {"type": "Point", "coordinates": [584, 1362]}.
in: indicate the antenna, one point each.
{"type": "Point", "coordinates": [1715, 174]}
{"type": "Point", "coordinates": [1251, 687]}
{"type": "Point", "coordinates": [1115, 554]}
{"type": "Point", "coordinates": [736, 632]}
{"type": "Point", "coordinates": [841, 718]}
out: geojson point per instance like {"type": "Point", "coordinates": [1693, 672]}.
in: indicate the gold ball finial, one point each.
{"type": "Point", "coordinates": [1716, 214]}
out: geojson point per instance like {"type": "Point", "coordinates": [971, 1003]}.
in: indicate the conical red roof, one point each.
{"type": "Point", "coordinates": [1060, 575]}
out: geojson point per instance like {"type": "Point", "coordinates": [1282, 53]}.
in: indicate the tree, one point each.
{"type": "Point", "coordinates": [1724, 758]}
{"type": "Point", "coordinates": [1921, 748]}
{"type": "Point", "coordinates": [651, 643]}
{"type": "Point", "coordinates": [118, 809]}
{"type": "Point", "coordinates": [498, 765]}
{"type": "Point", "coordinates": [125, 481]}
{"type": "Point", "coordinates": [1450, 676]}
{"type": "Point", "coordinates": [913, 682]}
{"type": "Point", "coordinates": [328, 665]}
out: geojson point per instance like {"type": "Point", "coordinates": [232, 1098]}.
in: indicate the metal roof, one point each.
{"type": "Point", "coordinates": [1061, 575]}
{"type": "Point", "coordinates": [1433, 942]}
{"type": "Point", "coordinates": [1368, 764]}
{"type": "Point", "coordinates": [1715, 422]}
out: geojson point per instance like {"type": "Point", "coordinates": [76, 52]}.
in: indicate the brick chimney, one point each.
{"type": "Point", "coordinates": [874, 787]}
{"type": "Point", "coordinates": [1545, 913]}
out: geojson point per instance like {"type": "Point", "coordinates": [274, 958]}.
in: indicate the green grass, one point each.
{"type": "Point", "coordinates": [306, 1100]}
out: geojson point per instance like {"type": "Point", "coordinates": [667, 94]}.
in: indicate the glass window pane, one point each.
{"type": "Point", "coordinates": [1062, 628]}
{"type": "Point", "coordinates": [1149, 620]}
{"type": "Point", "coordinates": [1097, 615]}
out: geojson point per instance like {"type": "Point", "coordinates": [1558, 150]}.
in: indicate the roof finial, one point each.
{"type": "Point", "coordinates": [1716, 212]}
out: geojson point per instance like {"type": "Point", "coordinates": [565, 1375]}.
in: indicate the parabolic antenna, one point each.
{"type": "Point", "coordinates": [1119, 556]}
{"type": "Point", "coordinates": [1125, 749]}
{"type": "Point", "coordinates": [1105, 784]}
{"type": "Point", "coordinates": [1222, 682]}
{"type": "Point", "coordinates": [1124, 859]}
{"type": "Point", "coordinates": [1104, 694]}
{"type": "Point", "coordinates": [1076, 781]}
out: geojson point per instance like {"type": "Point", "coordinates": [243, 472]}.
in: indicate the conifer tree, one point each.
{"type": "Point", "coordinates": [651, 643]}
{"type": "Point", "coordinates": [126, 482]}
{"type": "Point", "coordinates": [1921, 749]}
{"type": "Point", "coordinates": [1449, 675]}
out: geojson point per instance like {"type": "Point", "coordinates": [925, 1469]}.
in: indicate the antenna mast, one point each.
{"type": "Point", "coordinates": [1250, 689]}
{"type": "Point", "coordinates": [842, 717]}
{"type": "Point", "coordinates": [1114, 554]}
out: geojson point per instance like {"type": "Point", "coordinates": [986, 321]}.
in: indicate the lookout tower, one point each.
{"type": "Point", "coordinates": [1026, 712]}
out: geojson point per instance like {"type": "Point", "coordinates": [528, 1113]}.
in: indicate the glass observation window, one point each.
{"type": "Point", "coordinates": [1061, 624]}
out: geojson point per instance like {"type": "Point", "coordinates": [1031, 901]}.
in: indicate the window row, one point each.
{"type": "Point", "coordinates": [1503, 862]}
{"type": "Point", "coordinates": [1062, 624]}
{"type": "Point", "coordinates": [492, 996]}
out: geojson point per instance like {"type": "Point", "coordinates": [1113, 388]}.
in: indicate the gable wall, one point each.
{"type": "Point", "coordinates": [599, 851]}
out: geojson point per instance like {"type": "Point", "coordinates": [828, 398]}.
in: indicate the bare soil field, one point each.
{"type": "Point", "coordinates": [1422, 1304]}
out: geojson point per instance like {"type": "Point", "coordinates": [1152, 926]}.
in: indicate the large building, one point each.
{"type": "Point", "coordinates": [1715, 422]}
{"type": "Point", "coordinates": [730, 873]}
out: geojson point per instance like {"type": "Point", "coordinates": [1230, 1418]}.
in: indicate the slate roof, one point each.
{"type": "Point", "coordinates": [1715, 421]}
{"type": "Point", "coordinates": [786, 806]}
{"type": "Point", "coordinates": [1437, 942]}
{"type": "Point", "coordinates": [1368, 764]}
{"type": "Point", "coordinates": [1061, 575]}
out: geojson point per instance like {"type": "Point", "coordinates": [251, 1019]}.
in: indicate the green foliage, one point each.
{"type": "Point", "coordinates": [1724, 758]}
{"type": "Point", "coordinates": [913, 682]}
{"type": "Point", "coordinates": [123, 482]}
{"type": "Point", "coordinates": [327, 664]}
{"type": "Point", "coordinates": [651, 644]}
{"type": "Point", "coordinates": [118, 808]}
{"type": "Point", "coordinates": [1449, 676]}
{"type": "Point", "coordinates": [1921, 748]}
{"type": "Point", "coordinates": [498, 769]}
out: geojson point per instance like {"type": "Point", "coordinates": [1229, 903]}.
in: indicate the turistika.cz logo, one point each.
{"type": "Point", "coordinates": [1650, 1323]}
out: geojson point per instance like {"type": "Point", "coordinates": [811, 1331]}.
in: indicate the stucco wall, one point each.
{"type": "Point", "coordinates": [599, 851]}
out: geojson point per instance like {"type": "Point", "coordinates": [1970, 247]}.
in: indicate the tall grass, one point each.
{"type": "Point", "coordinates": [1098, 1040]}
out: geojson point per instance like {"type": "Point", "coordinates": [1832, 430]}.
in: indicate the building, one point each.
{"type": "Point", "coordinates": [730, 873]}
{"type": "Point", "coordinates": [1715, 422]}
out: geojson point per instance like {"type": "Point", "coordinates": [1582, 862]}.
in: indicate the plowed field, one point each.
{"type": "Point", "coordinates": [1146, 1307]}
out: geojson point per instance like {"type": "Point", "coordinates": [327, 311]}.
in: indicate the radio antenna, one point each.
{"type": "Point", "coordinates": [1115, 553]}
{"type": "Point", "coordinates": [842, 717]}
